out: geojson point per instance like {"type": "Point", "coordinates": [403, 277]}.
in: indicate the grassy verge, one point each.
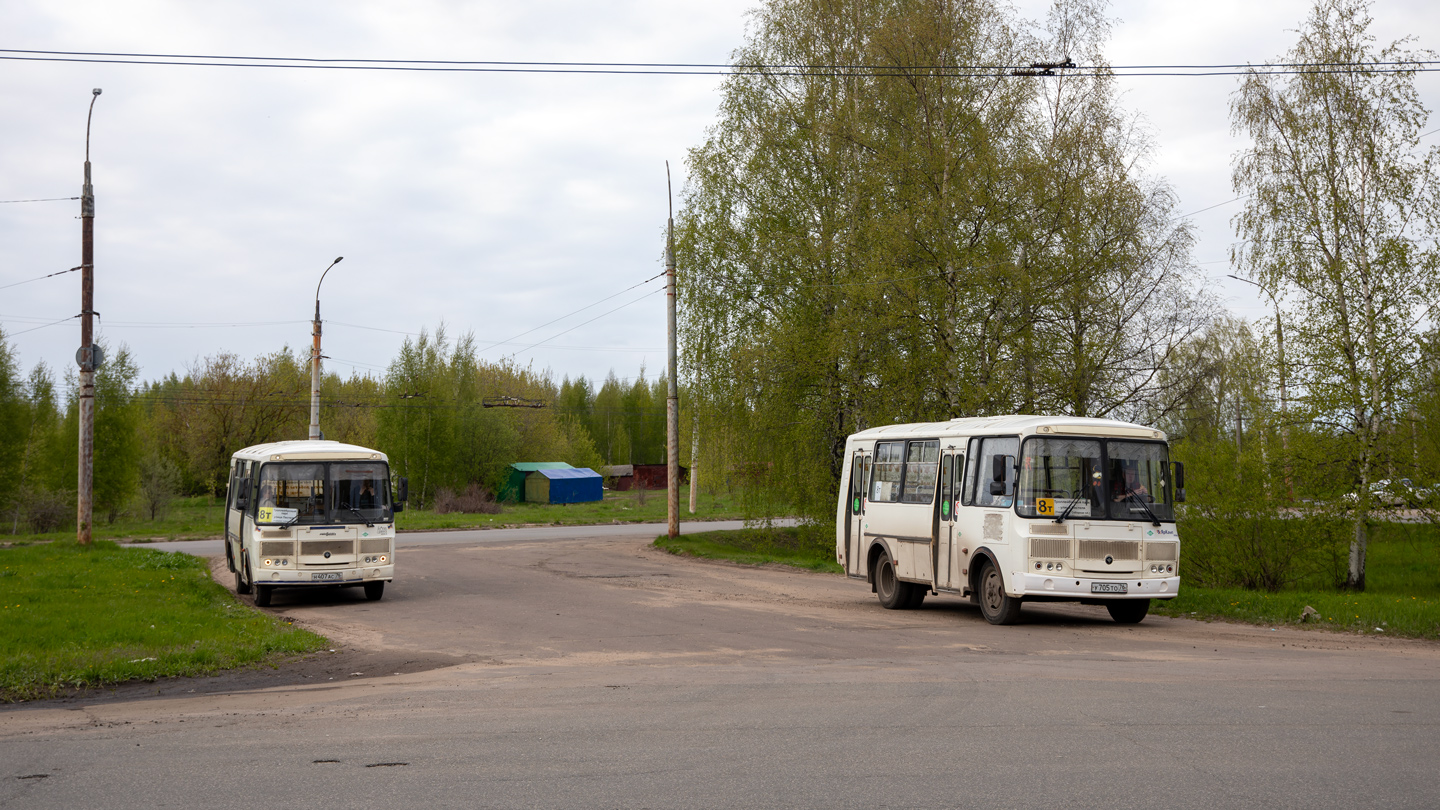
{"type": "Point", "coordinates": [622, 507]}
{"type": "Point", "coordinates": [811, 547]}
{"type": "Point", "coordinates": [1369, 612]}
{"type": "Point", "coordinates": [77, 617]}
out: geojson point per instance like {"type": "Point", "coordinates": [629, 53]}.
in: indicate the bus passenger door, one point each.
{"type": "Point", "coordinates": [855, 522]}
{"type": "Point", "coordinates": [945, 521]}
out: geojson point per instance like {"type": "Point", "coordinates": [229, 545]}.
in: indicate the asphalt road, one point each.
{"type": "Point", "coordinates": [582, 668]}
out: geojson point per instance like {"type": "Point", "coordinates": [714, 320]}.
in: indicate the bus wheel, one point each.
{"type": "Point", "coordinates": [375, 590]}
{"type": "Point", "coordinates": [262, 595]}
{"type": "Point", "coordinates": [997, 606]}
{"type": "Point", "coordinates": [242, 585]}
{"type": "Point", "coordinates": [1128, 611]}
{"type": "Point", "coordinates": [894, 594]}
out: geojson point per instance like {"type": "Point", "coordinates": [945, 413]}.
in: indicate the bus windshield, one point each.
{"type": "Point", "coordinates": [1094, 478]}
{"type": "Point", "coordinates": [317, 492]}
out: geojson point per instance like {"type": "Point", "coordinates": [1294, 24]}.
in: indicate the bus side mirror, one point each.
{"type": "Point", "coordinates": [997, 475]}
{"type": "Point", "coordinates": [1179, 479]}
{"type": "Point", "coordinates": [402, 493]}
{"type": "Point", "coordinates": [242, 494]}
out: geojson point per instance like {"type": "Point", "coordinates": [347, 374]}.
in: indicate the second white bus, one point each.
{"type": "Point", "coordinates": [1012, 509]}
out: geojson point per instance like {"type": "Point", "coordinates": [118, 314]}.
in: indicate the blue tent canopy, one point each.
{"type": "Point", "coordinates": [564, 486]}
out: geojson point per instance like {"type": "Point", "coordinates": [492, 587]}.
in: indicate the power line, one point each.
{"type": "Point", "coordinates": [42, 326]}
{"type": "Point", "coordinates": [576, 312]}
{"type": "Point", "coordinates": [46, 199]}
{"type": "Point", "coordinates": [699, 69]}
{"type": "Point", "coordinates": [39, 278]}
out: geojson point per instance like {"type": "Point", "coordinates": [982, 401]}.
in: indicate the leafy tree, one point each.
{"type": "Point", "coordinates": [1341, 222]}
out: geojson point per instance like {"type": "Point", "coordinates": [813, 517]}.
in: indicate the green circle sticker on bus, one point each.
{"type": "Point", "coordinates": [857, 505]}
{"type": "Point", "coordinates": [945, 509]}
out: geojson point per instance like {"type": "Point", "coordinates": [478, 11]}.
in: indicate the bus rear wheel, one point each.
{"type": "Point", "coordinates": [375, 590]}
{"type": "Point", "coordinates": [996, 606]}
{"type": "Point", "coordinates": [893, 594]}
{"type": "Point", "coordinates": [1128, 611]}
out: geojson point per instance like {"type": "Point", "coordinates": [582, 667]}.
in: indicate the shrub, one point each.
{"type": "Point", "coordinates": [475, 499]}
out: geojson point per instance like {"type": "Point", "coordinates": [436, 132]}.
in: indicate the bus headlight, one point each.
{"type": "Point", "coordinates": [269, 563]}
{"type": "Point", "coordinates": [382, 558]}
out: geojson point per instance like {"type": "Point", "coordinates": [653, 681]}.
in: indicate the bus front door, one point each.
{"type": "Point", "coordinates": [855, 521]}
{"type": "Point", "coordinates": [945, 521]}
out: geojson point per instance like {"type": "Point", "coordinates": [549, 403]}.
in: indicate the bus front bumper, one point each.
{"type": "Point", "coordinates": [332, 576]}
{"type": "Point", "coordinates": [1083, 588]}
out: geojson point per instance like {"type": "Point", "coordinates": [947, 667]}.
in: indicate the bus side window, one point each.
{"type": "Point", "coordinates": [959, 473]}
{"type": "Point", "coordinates": [967, 494]}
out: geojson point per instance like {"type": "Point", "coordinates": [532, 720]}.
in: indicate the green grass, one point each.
{"type": "Point", "coordinates": [622, 507]}
{"type": "Point", "coordinates": [82, 617]}
{"type": "Point", "coordinates": [810, 547]}
{"type": "Point", "coordinates": [187, 518]}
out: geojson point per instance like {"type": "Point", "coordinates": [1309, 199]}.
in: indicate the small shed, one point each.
{"type": "Point", "coordinates": [513, 490]}
{"type": "Point", "coordinates": [563, 486]}
{"type": "Point", "coordinates": [624, 477]}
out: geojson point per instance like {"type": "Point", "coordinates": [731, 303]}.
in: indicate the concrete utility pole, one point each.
{"type": "Point", "coordinates": [672, 398]}
{"type": "Point", "coordinates": [315, 359]}
{"type": "Point", "coordinates": [89, 355]}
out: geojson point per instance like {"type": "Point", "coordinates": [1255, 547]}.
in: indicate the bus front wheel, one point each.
{"type": "Point", "coordinates": [242, 585]}
{"type": "Point", "coordinates": [997, 606]}
{"type": "Point", "coordinates": [262, 595]}
{"type": "Point", "coordinates": [1128, 611]}
{"type": "Point", "coordinates": [375, 590]}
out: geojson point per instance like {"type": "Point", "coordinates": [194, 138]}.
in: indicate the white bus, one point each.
{"type": "Point", "coordinates": [1012, 509]}
{"type": "Point", "coordinates": [305, 514]}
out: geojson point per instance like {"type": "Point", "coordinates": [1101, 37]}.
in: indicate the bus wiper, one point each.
{"type": "Point", "coordinates": [368, 523]}
{"type": "Point", "coordinates": [1130, 493]}
{"type": "Point", "coordinates": [1074, 500]}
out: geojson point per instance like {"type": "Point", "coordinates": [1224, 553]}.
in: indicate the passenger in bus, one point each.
{"type": "Point", "coordinates": [267, 493]}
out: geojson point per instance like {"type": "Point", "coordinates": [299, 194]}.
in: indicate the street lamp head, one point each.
{"type": "Point", "coordinates": [337, 261]}
{"type": "Point", "coordinates": [96, 91]}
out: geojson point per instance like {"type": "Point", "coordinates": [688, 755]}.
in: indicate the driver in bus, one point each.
{"type": "Point", "coordinates": [1131, 485]}
{"type": "Point", "coordinates": [367, 495]}
{"type": "Point", "coordinates": [267, 493]}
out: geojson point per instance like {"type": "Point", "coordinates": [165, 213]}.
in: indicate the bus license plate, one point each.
{"type": "Point", "coordinates": [334, 576]}
{"type": "Point", "coordinates": [1108, 587]}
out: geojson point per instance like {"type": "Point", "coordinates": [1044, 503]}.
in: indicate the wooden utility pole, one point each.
{"type": "Point", "coordinates": [672, 398]}
{"type": "Point", "coordinates": [89, 356]}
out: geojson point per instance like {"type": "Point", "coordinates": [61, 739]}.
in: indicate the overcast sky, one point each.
{"type": "Point", "coordinates": [492, 202]}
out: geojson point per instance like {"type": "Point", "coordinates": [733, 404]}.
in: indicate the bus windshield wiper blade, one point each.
{"type": "Point", "coordinates": [367, 522]}
{"type": "Point", "coordinates": [1130, 493]}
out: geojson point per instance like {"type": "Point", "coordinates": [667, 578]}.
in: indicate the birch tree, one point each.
{"type": "Point", "coordinates": [1341, 222]}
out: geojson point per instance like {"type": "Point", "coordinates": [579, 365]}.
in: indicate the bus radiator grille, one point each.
{"type": "Point", "coordinates": [277, 548]}
{"type": "Point", "coordinates": [315, 548]}
{"type": "Point", "coordinates": [374, 545]}
{"type": "Point", "coordinates": [1161, 552]}
{"type": "Point", "coordinates": [1050, 547]}
{"type": "Point", "coordinates": [1118, 549]}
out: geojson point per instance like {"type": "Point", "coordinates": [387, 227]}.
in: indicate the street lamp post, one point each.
{"type": "Point", "coordinates": [1284, 398]}
{"type": "Point", "coordinates": [89, 356]}
{"type": "Point", "coordinates": [315, 359]}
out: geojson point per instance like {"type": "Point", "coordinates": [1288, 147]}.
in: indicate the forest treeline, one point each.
{"type": "Point", "coordinates": [157, 439]}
